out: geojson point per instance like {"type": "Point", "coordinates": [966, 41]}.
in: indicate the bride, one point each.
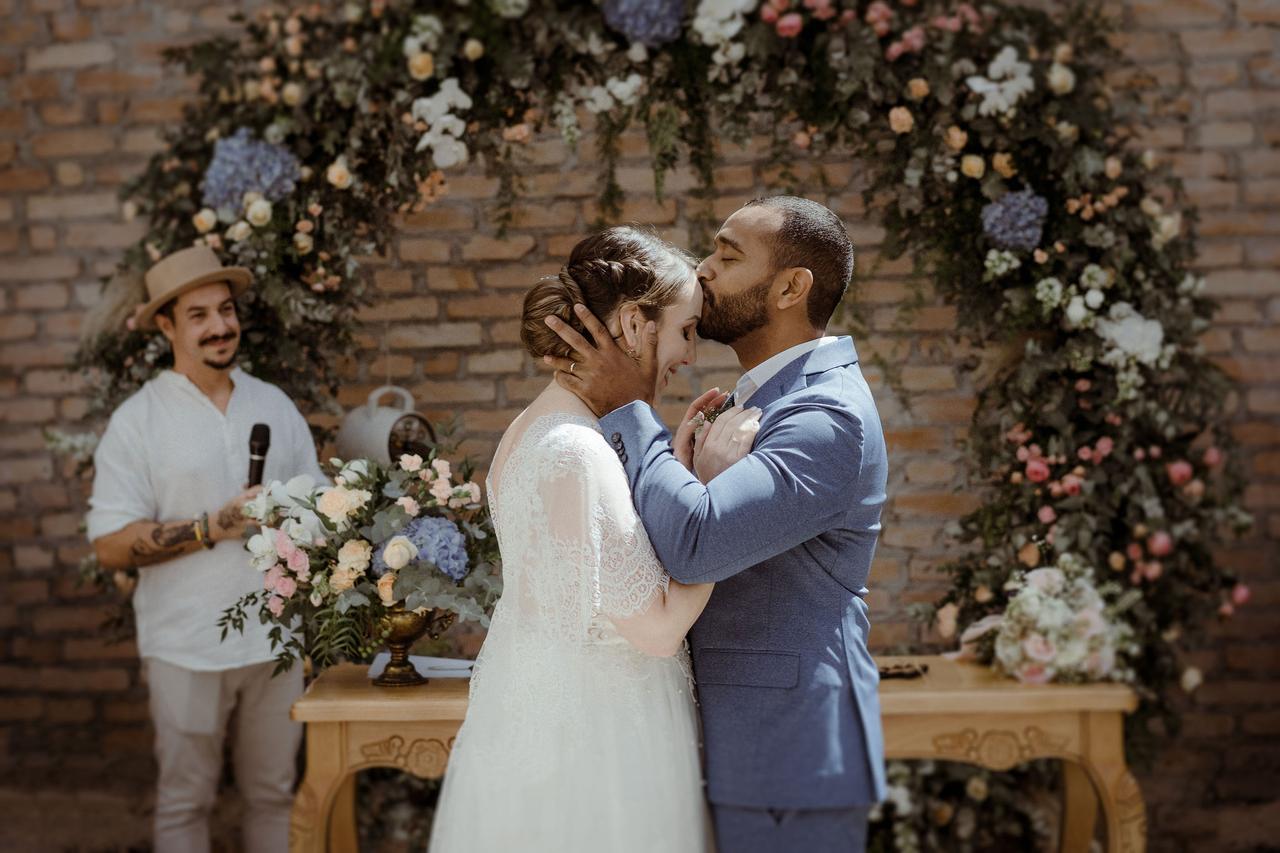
{"type": "Point", "coordinates": [582, 734]}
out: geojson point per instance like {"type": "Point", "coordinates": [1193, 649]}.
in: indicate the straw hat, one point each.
{"type": "Point", "coordinates": [186, 270]}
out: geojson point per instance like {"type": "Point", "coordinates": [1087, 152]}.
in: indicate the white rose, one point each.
{"type": "Point", "coordinates": [1168, 227]}
{"type": "Point", "coordinates": [249, 198]}
{"type": "Point", "coordinates": [303, 243]}
{"type": "Point", "coordinates": [399, 552]}
{"type": "Point", "coordinates": [1076, 311]}
{"type": "Point", "coordinates": [205, 220]}
{"type": "Point", "coordinates": [339, 174]}
{"type": "Point", "coordinates": [1062, 79]}
{"type": "Point", "coordinates": [449, 153]}
{"type": "Point", "coordinates": [259, 213]}
{"type": "Point", "coordinates": [239, 231]}
{"type": "Point", "coordinates": [291, 94]}
{"type": "Point", "coordinates": [442, 467]}
{"type": "Point", "coordinates": [1094, 298]}
{"type": "Point", "coordinates": [410, 462]}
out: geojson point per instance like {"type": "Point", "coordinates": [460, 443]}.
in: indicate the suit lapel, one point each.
{"type": "Point", "coordinates": [795, 375]}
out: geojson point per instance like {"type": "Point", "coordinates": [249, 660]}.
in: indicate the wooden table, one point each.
{"type": "Point", "coordinates": [958, 712]}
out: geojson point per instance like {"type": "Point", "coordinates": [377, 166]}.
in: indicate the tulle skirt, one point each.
{"type": "Point", "coordinates": [589, 748]}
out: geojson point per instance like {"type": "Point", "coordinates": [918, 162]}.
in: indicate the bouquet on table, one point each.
{"type": "Point", "coordinates": [1058, 626]}
{"type": "Point", "coordinates": [337, 559]}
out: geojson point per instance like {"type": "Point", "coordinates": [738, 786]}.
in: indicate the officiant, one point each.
{"type": "Point", "coordinates": [168, 492]}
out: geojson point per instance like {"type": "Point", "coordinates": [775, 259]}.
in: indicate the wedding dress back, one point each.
{"type": "Point", "coordinates": [574, 740]}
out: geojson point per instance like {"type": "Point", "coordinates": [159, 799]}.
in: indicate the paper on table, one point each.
{"type": "Point", "coordinates": [430, 667]}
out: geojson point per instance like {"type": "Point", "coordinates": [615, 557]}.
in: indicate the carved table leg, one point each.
{"type": "Point", "coordinates": [343, 833]}
{"type": "Point", "coordinates": [1079, 808]}
{"type": "Point", "coordinates": [309, 821]}
{"type": "Point", "coordinates": [1122, 806]}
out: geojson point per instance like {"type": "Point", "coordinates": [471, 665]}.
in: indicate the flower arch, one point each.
{"type": "Point", "coordinates": [1003, 163]}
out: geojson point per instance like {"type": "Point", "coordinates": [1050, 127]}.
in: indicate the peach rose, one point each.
{"type": "Point", "coordinates": [386, 587]}
{"type": "Point", "coordinates": [901, 120]}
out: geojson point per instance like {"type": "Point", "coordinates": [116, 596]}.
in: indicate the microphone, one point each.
{"type": "Point", "coordinates": [259, 441]}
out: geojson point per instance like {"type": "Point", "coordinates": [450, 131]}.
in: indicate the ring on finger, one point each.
{"type": "Point", "coordinates": [573, 368]}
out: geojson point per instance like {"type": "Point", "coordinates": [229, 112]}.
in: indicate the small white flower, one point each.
{"type": "Point", "coordinates": [303, 243]}
{"type": "Point", "coordinates": [259, 213]}
{"type": "Point", "coordinates": [1094, 298]}
{"type": "Point", "coordinates": [338, 174]}
{"type": "Point", "coordinates": [1062, 80]}
{"type": "Point", "coordinates": [205, 221]}
{"type": "Point", "coordinates": [291, 94]}
{"type": "Point", "coordinates": [1077, 312]}
{"type": "Point", "coordinates": [473, 49]}
{"type": "Point", "coordinates": [1191, 679]}
{"type": "Point", "coordinates": [239, 231]}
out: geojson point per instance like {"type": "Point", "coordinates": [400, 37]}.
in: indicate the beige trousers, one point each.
{"type": "Point", "coordinates": [190, 710]}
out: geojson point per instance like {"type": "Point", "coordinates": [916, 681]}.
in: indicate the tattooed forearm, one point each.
{"type": "Point", "coordinates": [229, 516]}
{"type": "Point", "coordinates": [165, 542]}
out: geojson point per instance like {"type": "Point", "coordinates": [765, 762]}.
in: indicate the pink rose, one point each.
{"type": "Point", "coordinates": [441, 490]}
{"type": "Point", "coordinates": [1180, 472]}
{"type": "Point", "coordinates": [284, 545]}
{"type": "Point", "coordinates": [895, 50]}
{"type": "Point", "coordinates": [299, 564]}
{"type": "Point", "coordinates": [1213, 457]}
{"type": "Point", "coordinates": [1139, 454]}
{"type": "Point", "coordinates": [951, 24]}
{"type": "Point", "coordinates": [1083, 385]}
{"type": "Point", "coordinates": [1047, 515]}
{"type": "Point", "coordinates": [286, 587]}
{"type": "Point", "coordinates": [1104, 446]}
{"type": "Point", "coordinates": [1035, 673]}
{"type": "Point", "coordinates": [1194, 489]}
{"type": "Point", "coordinates": [1154, 451]}
{"type": "Point", "coordinates": [1039, 648]}
{"type": "Point", "coordinates": [1037, 470]}
{"type": "Point", "coordinates": [273, 577]}
{"type": "Point", "coordinates": [1085, 454]}
{"type": "Point", "coordinates": [1152, 570]}
{"type": "Point", "coordinates": [790, 25]}
{"type": "Point", "coordinates": [768, 14]}
{"type": "Point", "coordinates": [276, 605]}
{"type": "Point", "coordinates": [1134, 551]}
{"type": "Point", "coordinates": [913, 39]}
{"type": "Point", "coordinates": [1226, 609]}
{"type": "Point", "coordinates": [1240, 594]}
{"type": "Point", "coordinates": [1023, 454]}
{"type": "Point", "coordinates": [1160, 544]}
{"type": "Point", "coordinates": [1071, 484]}
{"type": "Point", "coordinates": [409, 505]}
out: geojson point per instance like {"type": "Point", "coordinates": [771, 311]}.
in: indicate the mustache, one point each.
{"type": "Point", "coordinates": [219, 339]}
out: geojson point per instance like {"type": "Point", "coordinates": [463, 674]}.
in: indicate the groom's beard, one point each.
{"type": "Point", "coordinates": [728, 318]}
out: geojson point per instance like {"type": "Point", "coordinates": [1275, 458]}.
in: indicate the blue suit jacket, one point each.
{"type": "Point", "coordinates": [788, 689]}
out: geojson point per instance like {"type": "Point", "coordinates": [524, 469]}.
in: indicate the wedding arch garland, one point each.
{"type": "Point", "coordinates": [1000, 158]}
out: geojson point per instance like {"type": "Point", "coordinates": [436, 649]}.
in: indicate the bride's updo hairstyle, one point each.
{"type": "Point", "coordinates": [619, 265]}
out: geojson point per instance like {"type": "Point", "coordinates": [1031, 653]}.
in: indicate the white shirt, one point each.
{"type": "Point", "coordinates": [168, 454]}
{"type": "Point", "coordinates": [755, 378]}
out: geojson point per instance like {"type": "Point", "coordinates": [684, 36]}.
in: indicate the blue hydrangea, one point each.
{"type": "Point", "coordinates": [649, 22]}
{"type": "Point", "coordinates": [439, 542]}
{"type": "Point", "coordinates": [243, 164]}
{"type": "Point", "coordinates": [1015, 220]}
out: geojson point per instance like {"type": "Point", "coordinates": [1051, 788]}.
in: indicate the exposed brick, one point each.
{"type": "Point", "coordinates": [72, 143]}
{"type": "Point", "coordinates": [422, 336]}
{"type": "Point", "coordinates": [482, 248]}
{"type": "Point", "coordinates": [1239, 42]}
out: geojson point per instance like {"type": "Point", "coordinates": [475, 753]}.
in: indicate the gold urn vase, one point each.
{"type": "Point", "coordinates": [401, 629]}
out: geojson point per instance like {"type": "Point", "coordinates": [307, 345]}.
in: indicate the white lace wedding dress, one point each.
{"type": "Point", "coordinates": [573, 740]}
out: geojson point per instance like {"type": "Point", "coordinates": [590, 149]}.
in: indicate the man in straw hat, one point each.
{"type": "Point", "coordinates": [168, 494]}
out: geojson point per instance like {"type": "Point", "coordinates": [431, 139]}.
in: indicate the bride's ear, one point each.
{"type": "Point", "coordinates": [632, 321]}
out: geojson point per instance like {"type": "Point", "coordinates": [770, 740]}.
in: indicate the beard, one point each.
{"type": "Point", "coordinates": [731, 317]}
{"type": "Point", "coordinates": [230, 360]}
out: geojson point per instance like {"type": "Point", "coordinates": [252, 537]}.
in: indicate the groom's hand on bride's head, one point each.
{"type": "Point", "coordinates": [603, 375]}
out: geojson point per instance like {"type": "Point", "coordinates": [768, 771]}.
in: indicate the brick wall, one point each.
{"type": "Point", "coordinates": [82, 100]}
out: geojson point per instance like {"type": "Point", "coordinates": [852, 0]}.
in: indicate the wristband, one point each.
{"type": "Point", "coordinates": [204, 536]}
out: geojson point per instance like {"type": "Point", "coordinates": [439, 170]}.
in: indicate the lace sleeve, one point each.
{"type": "Point", "coordinates": [589, 510]}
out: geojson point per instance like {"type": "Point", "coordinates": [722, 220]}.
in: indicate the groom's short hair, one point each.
{"type": "Point", "coordinates": [813, 237]}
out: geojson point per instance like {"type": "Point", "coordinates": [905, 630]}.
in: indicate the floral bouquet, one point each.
{"type": "Point", "coordinates": [336, 559]}
{"type": "Point", "coordinates": [1058, 627]}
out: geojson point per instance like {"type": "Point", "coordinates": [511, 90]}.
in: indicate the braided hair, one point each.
{"type": "Point", "coordinates": [623, 264]}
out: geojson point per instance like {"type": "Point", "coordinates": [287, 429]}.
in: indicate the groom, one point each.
{"type": "Point", "coordinates": [788, 690]}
